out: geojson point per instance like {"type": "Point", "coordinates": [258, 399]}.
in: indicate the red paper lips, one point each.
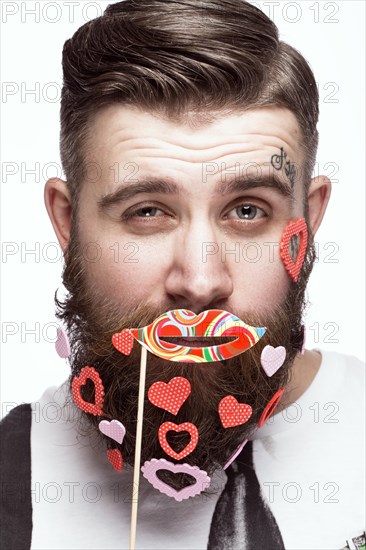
{"type": "Point", "coordinates": [184, 322]}
{"type": "Point", "coordinates": [294, 229]}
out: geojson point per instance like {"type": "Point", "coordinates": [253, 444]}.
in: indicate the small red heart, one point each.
{"type": "Point", "coordinates": [185, 427]}
{"type": "Point", "coordinates": [299, 229]}
{"type": "Point", "coordinates": [88, 373]}
{"type": "Point", "coordinates": [232, 413]}
{"type": "Point", "coordinates": [115, 458]}
{"type": "Point", "coordinates": [123, 341]}
{"type": "Point", "coordinates": [170, 396]}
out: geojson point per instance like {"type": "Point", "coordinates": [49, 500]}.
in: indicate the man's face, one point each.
{"type": "Point", "coordinates": [137, 251]}
{"type": "Point", "coordinates": [198, 246]}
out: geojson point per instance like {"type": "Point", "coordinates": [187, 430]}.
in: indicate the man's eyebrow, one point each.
{"type": "Point", "coordinates": [149, 185]}
{"type": "Point", "coordinates": [246, 183]}
{"type": "Point", "coordinates": [168, 186]}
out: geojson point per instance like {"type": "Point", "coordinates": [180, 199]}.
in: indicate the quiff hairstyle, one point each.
{"type": "Point", "coordinates": [186, 61]}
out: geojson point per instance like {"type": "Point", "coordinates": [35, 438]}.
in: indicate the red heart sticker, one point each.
{"type": "Point", "coordinates": [293, 229]}
{"type": "Point", "coordinates": [185, 427]}
{"type": "Point", "coordinates": [88, 373]}
{"type": "Point", "coordinates": [270, 407]}
{"type": "Point", "coordinates": [123, 341]}
{"type": "Point", "coordinates": [115, 458]}
{"type": "Point", "coordinates": [170, 396]}
{"type": "Point", "coordinates": [232, 413]}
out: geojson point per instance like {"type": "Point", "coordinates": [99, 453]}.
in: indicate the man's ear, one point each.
{"type": "Point", "coordinates": [318, 197]}
{"type": "Point", "coordinates": [58, 203]}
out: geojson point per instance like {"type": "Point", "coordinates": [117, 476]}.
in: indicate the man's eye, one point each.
{"type": "Point", "coordinates": [247, 212]}
{"type": "Point", "coordinates": [144, 212]}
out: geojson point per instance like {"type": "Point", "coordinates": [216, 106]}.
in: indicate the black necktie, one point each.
{"type": "Point", "coordinates": [242, 520]}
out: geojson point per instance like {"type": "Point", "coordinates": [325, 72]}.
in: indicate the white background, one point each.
{"type": "Point", "coordinates": [331, 37]}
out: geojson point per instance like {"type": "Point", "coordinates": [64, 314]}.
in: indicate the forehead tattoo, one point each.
{"type": "Point", "coordinates": [278, 163]}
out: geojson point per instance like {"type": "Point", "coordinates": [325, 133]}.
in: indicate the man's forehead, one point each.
{"type": "Point", "coordinates": [127, 127]}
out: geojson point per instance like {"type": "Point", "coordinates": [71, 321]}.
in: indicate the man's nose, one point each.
{"type": "Point", "coordinates": [198, 274]}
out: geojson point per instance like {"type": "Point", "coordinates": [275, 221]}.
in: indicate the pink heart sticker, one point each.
{"type": "Point", "coordinates": [123, 341]}
{"type": "Point", "coordinates": [113, 429]}
{"type": "Point", "coordinates": [151, 467]}
{"type": "Point", "coordinates": [170, 396]}
{"type": "Point", "coordinates": [115, 458]}
{"type": "Point", "coordinates": [272, 359]}
{"type": "Point", "coordinates": [232, 413]}
{"type": "Point", "coordinates": [62, 344]}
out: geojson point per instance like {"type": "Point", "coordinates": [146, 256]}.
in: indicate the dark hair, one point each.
{"type": "Point", "coordinates": [180, 57]}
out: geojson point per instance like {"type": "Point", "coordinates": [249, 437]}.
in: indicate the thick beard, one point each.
{"type": "Point", "coordinates": [92, 319]}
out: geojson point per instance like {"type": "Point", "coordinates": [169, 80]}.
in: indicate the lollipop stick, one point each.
{"type": "Point", "coordinates": [136, 468]}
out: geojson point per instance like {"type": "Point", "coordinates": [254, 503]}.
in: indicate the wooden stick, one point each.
{"type": "Point", "coordinates": [136, 467]}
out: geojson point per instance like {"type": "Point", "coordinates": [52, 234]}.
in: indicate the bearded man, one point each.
{"type": "Point", "coordinates": [188, 140]}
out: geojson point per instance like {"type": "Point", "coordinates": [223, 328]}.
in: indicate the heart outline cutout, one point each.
{"type": "Point", "coordinates": [272, 359]}
{"type": "Point", "coordinates": [184, 427]}
{"type": "Point", "coordinates": [170, 396]}
{"type": "Point", "coordinates": [232, 413]}
{"type": "Point", "coordinates": [297, 228]}
{"type": "Point", "coordinates": [88, 373]}
{"type": "Point", "coordinates": [151, 467]}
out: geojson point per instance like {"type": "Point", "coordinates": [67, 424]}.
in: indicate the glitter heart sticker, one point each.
{"type": "Point", "coordinates": [151, 467]}
{"type": "Point", "coordinates": [185, 427]}
{"type": "Point", "coordinates": [123, 341]}
{"type": "Point", "coordinates": [232, 413]}
{"type": "Point", "coordinates": [294, 229]}
{"type": "Point", "coordinates": [272, 359]}
{"type": "Point", "coordinates": [88, 373]}
{"type": "Point", "coordinates": [170, 396]}
{"type": "Point", "coordinates": [113, 429]}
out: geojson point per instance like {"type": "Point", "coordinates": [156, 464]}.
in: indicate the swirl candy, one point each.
{"type": "Point", "coordinates": [185, 323]}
